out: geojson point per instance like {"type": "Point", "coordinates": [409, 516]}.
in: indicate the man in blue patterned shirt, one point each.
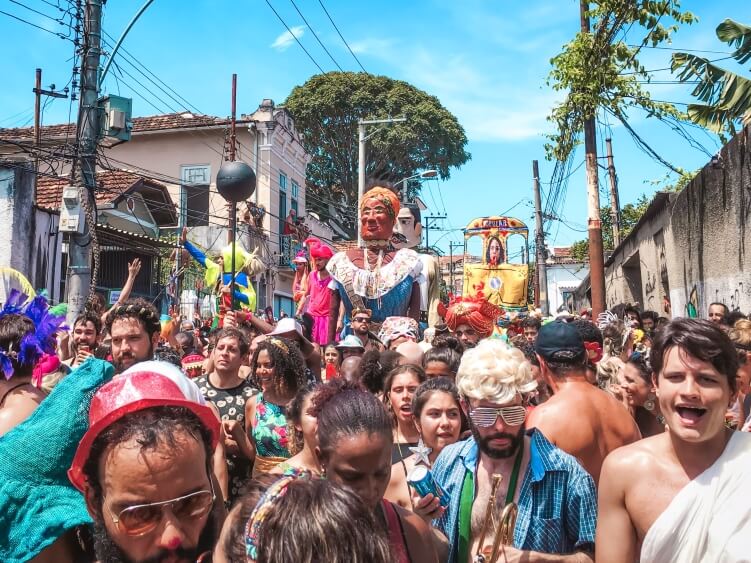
{"type": "Point", "coordinates": [556, 498]}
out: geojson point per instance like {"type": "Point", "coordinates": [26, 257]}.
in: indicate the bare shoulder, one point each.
{"type": "Point", "coordinates": [641, 454]}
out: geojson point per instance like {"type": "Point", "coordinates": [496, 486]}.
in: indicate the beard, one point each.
{"type": "Point", "coordinates": [120, 365]}
{"type": "Point", "coordinates": [498, 453]}
{"type": "Point", "coordinates": [108, 551]}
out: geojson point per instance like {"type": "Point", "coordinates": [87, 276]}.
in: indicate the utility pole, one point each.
{"type": "Point", "coordinates": [615, 204]}
{"type": "Point", "coordinates": [38, 93]}
{"type": "Point", "coordinates": [81, 279]}
{"type": "Point", "coordinates": [233, 203]}
{"type": "Point", "coordinates": [362, 127]}
{"type": "Point", "coordinates": [594, 225]}
{"type": "Point", "coordinates": [541, 276]}
{"type": "Point", "coordinates": [428, 226]}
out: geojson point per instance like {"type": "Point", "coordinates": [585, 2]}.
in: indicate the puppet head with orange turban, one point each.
{"type": "Point", "coordinates": [479, 314]}
{"type": "Point", "coordinates": [378, 210]}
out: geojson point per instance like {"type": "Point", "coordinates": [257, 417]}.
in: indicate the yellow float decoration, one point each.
{"type": "Point", "coordinates": [494, 278]}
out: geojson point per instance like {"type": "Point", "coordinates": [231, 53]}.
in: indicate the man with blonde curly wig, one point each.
{"type": "Point", "coordinates": [556, 498]}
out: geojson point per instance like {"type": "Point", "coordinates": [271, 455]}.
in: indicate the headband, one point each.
{"type": "Point", "coordinates": [278, 344]}
{"type": "Point", "coordinates": [262, 510]}
{"type": "Point", "coordinates": [384, 196]}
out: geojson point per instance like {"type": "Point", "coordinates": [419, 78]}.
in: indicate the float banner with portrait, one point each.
{"type": "Point", "coordinates": [502, 274]}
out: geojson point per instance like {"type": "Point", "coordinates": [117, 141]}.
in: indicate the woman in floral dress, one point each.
{"type": "Point", "coordinates": [279, 371]}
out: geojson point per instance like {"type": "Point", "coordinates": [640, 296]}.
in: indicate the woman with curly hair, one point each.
{"type": "Point", "coordinates": [641, 395]}
{"type": "Point", "coordinates": [278, 369]}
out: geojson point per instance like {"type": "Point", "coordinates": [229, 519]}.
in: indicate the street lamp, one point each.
{"type": "Point", "coordinates": [421, 175]}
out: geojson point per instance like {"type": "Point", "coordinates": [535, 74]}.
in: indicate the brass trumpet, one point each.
{"type": "Point", "coordinates": [502, 528]}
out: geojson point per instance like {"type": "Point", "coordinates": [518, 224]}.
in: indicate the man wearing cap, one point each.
{"type": "Point", "coordinates": [350, 346]}
{"type": "Point", "coordinates": [579, 418]}
{"type": "Point", "coordinates": [556, 498]}
{"type": "Point", "coordinates": [317, 296]}
{"type": "Point", "coordinates": [144, 468]}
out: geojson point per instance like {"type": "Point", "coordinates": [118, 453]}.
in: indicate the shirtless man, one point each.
{"type": "Point", "coordinates": [580, 419]}
{"type": "Point", "coordinates": [690, 501]}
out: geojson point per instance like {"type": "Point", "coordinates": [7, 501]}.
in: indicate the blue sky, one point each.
{"type": "Point", "coordinates": [487, 61]}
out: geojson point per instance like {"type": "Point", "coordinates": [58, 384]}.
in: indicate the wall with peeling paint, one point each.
{"type": "Point", "coordinates": [691, 248]}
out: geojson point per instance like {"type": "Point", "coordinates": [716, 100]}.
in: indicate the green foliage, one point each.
{"type": "Point", "coordinates": [326, 110]}
{"type": "Point", "coordinates": [598, 70]}
{"type": "Point", "coordinates": [726, 95]}
{"type": "Point", "coordinates": [668, 184]}
{"type": "Point", "coordinates": [630, 215]}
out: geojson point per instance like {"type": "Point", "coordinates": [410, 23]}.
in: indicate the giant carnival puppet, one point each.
{"type": "Point", "coordinates": [409, 226]}
{"type": "Point", "coordinates": [218, 272]}
{"type": "Point", "coordinates": [377, 278]}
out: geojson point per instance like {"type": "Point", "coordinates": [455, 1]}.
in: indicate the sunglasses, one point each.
{"type": "Point", "coordinates": [361, 320]}
{"type": "Point", "coordinates": [141, 519]}
{"type": "Point", "coordinates": [486, 417]}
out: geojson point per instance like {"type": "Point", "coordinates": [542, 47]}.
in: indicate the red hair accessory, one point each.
{"type": "Point", "coordinates": [594, 351]}
{"type": "Point", "coordinates": [47, 364]}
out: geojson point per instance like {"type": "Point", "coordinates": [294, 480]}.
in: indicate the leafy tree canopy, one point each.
{"type": "Point", "coordinates": [326, 110]}
{"type": "Point", "coordinates": [600, 70]}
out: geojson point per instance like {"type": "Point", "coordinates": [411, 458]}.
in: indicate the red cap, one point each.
{"type": "Point", "coordinates": [131, 393]}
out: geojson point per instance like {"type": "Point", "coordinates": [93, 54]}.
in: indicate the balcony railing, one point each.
{"type": "Point", "coordinates": [289, 246]}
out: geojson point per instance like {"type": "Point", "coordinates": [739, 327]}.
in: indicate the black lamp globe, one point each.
{"type": "Point", "coordinates": [235, 181]}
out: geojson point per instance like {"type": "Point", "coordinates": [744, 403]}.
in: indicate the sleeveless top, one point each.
{"type": "Point", "coordinates": [270, 429]}
{"type": "Point", "coordinates": [397, 540]}
{"type": "Point", "coordinates": [231, 406]}
{"type": "Point", "coordinates": [318, 304]}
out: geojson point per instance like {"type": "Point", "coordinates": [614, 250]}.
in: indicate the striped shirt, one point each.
{"type": "Point", "coordinates": [557, 501]}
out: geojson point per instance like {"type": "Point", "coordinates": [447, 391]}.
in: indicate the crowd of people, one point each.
{"type": "Point", "coordinates": [559, 439]}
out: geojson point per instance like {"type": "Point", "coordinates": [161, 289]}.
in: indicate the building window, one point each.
{"type": "Point", "coordinates": [295, 189]}
{"type": "Point", "coordinates": [195, 195]}
{"type": "Point", "coordinates": [282, 182]}
{"type": "Point", "coordinates": [293, 205]}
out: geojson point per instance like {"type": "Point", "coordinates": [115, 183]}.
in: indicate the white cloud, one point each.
{"type": "Point", "coordinates": [372, 46]}
{"type": "Point", "coordinates": [286, 39]}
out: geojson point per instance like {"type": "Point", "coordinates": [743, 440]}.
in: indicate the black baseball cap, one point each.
{"type": "Point", "coordinates": [559, 341]}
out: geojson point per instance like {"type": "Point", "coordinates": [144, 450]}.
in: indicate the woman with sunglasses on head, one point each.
{"type": "Point", "coordinates": [437, 415]}
{"type": "Point", "coordinates": [640, 393]}
{"type": "Point", "coordinates": [354, 447]}
{"type": "Point", "coordinates": [278, 369]}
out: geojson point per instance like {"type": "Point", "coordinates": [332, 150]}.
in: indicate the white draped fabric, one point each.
{"type": "Point", "coordinates": [709, 520]}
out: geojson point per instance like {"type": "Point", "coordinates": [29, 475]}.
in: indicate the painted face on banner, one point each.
{"type": "Point", "coordinates": [376, 223]}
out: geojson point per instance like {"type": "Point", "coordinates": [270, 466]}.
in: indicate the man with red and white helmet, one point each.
{"type": "Point", "coordinates": [144, 467]}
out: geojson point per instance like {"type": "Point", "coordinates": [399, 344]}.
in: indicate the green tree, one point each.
{"type": "Point", "coordinates": [599, 70]}
{"type": "Point", "coordinates": [630, 215]}
{"type": "Point", "coordinates": [326, 110]}
{"type": "Point", "coordinates": [726, 95]}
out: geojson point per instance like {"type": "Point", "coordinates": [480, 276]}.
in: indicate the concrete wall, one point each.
{"type": "Point", "coordinates": [17, 225]}
{"type": "Point", "coordinates": [691, 248]}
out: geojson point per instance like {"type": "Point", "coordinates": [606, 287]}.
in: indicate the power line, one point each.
{"type": "Point", "coordinates": [56, 34]}
{"type": "Point", "coordinates": [294, 37]}
{"type": "Point", "coordinates": [316, 36]}
{"type": "Point", "coordinates": [340, 35]}
{"type": "Point", "coordinates": [680, 50]}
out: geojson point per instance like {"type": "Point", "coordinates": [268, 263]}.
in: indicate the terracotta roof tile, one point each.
{"type": "Point", "coordinates": [185, 120]}
{"type": "Point", "coordinates": [111, 184]}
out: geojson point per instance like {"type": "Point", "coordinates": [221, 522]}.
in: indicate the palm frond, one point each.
{"type": "Point", "coordinates": [736, 35]}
